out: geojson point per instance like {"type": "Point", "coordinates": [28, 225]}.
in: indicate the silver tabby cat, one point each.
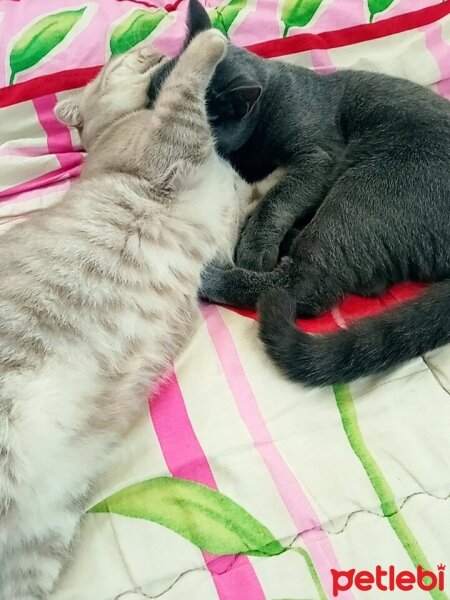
{"type": "Point", "coordinates": [99, 293]}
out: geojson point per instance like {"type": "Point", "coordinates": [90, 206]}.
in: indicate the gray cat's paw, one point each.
{"type": "Point", "coordinates": [284, 265]}
{"type": "Point", "coordinates": [257, 255]}
{"type": "Point", "coordinates": [211, 284]}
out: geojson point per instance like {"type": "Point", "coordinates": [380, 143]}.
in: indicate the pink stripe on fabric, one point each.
{"type": "Point", "coordinates": [41, 181]}
{"type": "Point", "coordinates": [443, 88]}
{"type": "Point", "coordinates": [297, 504]}
{"type": "Point", "coordinates": [30, 151]}
{"type": "Point", "coordinates": [439, 49]}
{"type": "Point", "coordinates": [321, 61]}
{"type": "Point", "coordinates": [233, 576]}
{"type": "Point", "coordinates": [59, 141]}
{"type": "Point", "coordinates": [30, 195]}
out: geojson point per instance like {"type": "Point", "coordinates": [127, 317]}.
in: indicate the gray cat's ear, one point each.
{"type": "Point", "coordinates": [197, 20]}
{"type": "Point", "coordinates": [68, 112]}
{"type": "Point", "coordinates": [237, 102]}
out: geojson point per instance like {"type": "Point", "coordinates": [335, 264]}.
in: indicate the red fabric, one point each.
{"type": "Point", "coordinates": [352, 308]}
{"type": "Point", "coordinates": [47, 84]}
{"type": "Point", "coordinates": [351, 35]}
{"type": "Point", "coordinates": [65, 80]}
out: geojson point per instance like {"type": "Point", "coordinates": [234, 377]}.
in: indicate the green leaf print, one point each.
{"type": "Point", "coordinates": [224, 15]}
{"type": "Point", "coordinates": [298, 13]}
{"type": "Point", "coordinates": [38, 40]}
{"type": "Point", "coordinates": [207, 518]}
{"type": "Point", "coordinates": [377, 6]}
{"type": "Point", "coordinates": [389, 506]}
{"type": "Point", "coordinates": [135, 27]}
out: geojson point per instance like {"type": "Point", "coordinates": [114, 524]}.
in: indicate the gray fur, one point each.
{"type": "Point", "coordinates": [366, 189]}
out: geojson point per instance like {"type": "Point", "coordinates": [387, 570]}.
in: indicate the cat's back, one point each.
{"type": "Point", "coordinates": [111, 270]}
{"type": "Point", "coordinates": [393, 107]}
{"type": "Point", "coordinates": [82, 278]}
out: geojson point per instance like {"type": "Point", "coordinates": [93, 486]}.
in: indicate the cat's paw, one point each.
{"type": "Point", "coordinates": [218, 42]}
{"type": "Point", "coordinates": [256, 254]}
{"type": "Point", "coordinates": [284, 265]}
{"type": "Point", "coordinates": [211, 284]}
{"type": "Point", "coordinates": [212, 43]}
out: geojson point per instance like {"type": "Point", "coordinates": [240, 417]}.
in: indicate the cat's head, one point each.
{"type": "Point", "coordinates": [234, 96]}
{"type": "Point", "coordinates": [119, 89]}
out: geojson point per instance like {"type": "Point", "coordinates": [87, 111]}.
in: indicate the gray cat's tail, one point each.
{"type": "Point", "coordinates": [369, 346]}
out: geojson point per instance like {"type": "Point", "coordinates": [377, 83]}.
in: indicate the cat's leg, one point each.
{"type": "Point", "coordinates": [33, 557]}
{"type": "Point", "coordinates": [342, 251]}
{"type": "Point", "coordinates": [346, 249]}
{"type": "Point", "coordinates": [316, 274]}
{"type": "Point", "coordinates": [317, 285]}
{"type": "Point", "coordinates": [36, 534]}
{"type": "Point", "coordinates": [288, 241]}
{"type": "Point", "coordinates": [182, 98]}
{"type": "Point", "coordinates": [298, 192]}
{"type": "Point", "coordinates": [240, 287]}
{"type": "Point", "coordinates": [315, 290]}
{"type": "Point", "coordinates": [51, 456]}
{"type": "Point", "coordinates": [179, 118]}
{"type": "Point", "coordinates": [196, 65]}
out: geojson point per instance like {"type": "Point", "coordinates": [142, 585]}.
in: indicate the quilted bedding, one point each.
{"type": "Point", "coordinates": [236, 484]}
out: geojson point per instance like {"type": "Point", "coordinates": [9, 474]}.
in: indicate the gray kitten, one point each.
{"type": "Point", "coordinates": [98, 294]}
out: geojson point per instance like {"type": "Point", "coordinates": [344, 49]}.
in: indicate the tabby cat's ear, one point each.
{"type": "Point", "coordinates": [68, 112]}
{"type": "Point", "coordinates": [197, 20]}
{"type": "Point", "coordinates": [238, 101]}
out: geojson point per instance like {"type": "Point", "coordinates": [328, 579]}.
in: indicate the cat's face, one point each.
{"type": "Point", "coordinates": [233, 98]}
{"type": "Point", "coordinates": [119, 89]}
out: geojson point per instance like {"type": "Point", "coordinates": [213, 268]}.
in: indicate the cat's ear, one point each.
{"type": "Point", "coordinates": [197, 20]}
{"type": "Point", "coordinates": [237, 101]}
{"type": "Point", "coordinates": [68, 111]}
